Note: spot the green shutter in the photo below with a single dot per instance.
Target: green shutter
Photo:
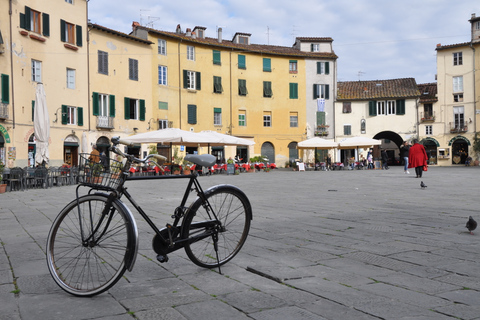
(319, 67)
(320, 118)
(372, 108)
(241, 62)
(217, 110)
(198, 79)
(327, 91)
(293, 90)
(267, 65)
(46, 24)
(185, 79)
(64, 114)
(192, 114)
(5, 89)
(142, 110)
(217, 57)
(315, 91)
(127, 108)
(27, 17)
(79, 36)
(242, 87)
(33, 110)
(62, 30)
(22, 20)
(95, 106)
(400, 107)
(327, 67)
(80, 116)
(112, 105)
(311, 47)
(162, 105)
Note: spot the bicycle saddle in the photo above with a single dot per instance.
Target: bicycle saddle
(204, 160)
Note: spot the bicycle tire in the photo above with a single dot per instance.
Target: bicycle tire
(87, 269)
(233, 210)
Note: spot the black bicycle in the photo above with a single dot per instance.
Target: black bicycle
(94, 239)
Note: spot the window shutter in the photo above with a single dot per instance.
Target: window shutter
(33, 110)
(80, 116)
(79, 36)
(217, 110)
(327, 91)
(23, 25)
(241, 62)
(216, 57)
(192, 114)
(372, 108)
(320, 118)
(46, 24)
(327, 67)
(5, 89)
(127, 108)
(112, 105)
(64, 114)
(62, 30)
(142, 110)
(95, 106)
(400, 107)
(185, 79)
(198, 81)
(311, 47)
(316, 94)
(27, 17)
(267, 64)
(319, 67)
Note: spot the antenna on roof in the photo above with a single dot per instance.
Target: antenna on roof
(360, 73)
(150, 20)
(294, 33)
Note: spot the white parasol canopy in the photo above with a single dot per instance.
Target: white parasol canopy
(358, 142)
(174, 136)
(41, 125)
(84, 142)
(228, 139)
(317, 143)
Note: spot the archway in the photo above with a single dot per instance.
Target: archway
(292, 151)
(459, 149)
(431, 145)
(268, 150)
(392, 142)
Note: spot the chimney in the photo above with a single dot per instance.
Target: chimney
(135, 24)
(179, 30)
(189, 32)
(219, 35)
(194, 35)
(473, 16)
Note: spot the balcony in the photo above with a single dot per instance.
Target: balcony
(427, 117)
(105, 122)
(322, 130)
(458, 127)
(3, 111)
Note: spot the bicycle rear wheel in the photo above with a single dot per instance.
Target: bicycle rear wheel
(232, 208)
(87, 249)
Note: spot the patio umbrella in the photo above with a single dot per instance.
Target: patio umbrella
(316, 143)
(358, 142)
(84, 143)
(41, 125)
(228, 139)
(174, 136)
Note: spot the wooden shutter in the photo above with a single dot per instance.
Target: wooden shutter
(142, 110)
(23, 25)
(400, 107)
(319, 67)
(198, 82)
(185, 79)
(27, 17)
(33, 110)
(316, 94)
(79, 36)
(217, 57)
(311, 47)
(327, 67)
(327, 91)
(95, 105)
(62, 30)
(372, 108)
(80, 116)
(64, 114)
(241, 62)
(127, 108)
(293, 90)
(267, 64)
(5, 89)
(112, 105)
(46, 24)
(192, 114)
(320, 118)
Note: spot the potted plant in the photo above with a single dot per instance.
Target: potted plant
(3, 186)
(187, 167)
(176, 160)
(96, 169)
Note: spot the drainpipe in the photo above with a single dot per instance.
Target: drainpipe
(179, 88)
(474, 91)
(88, 71)
(231, 102)
(11, 63)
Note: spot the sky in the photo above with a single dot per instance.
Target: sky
(373, 39)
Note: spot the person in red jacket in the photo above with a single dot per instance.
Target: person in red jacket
(417, 158)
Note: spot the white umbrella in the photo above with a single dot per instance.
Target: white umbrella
(317, 143)
(358, 142)
(228, 139)
(173, 136)
(84, 142)
(41, 125)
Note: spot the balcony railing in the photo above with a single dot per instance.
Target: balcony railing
(427, 117)
(458, 128)
(105, 122)
(3, 111)
(321, 131)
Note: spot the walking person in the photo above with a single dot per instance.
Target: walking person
(370, 160)
(384, 159)
(417, 158)
(404, 150)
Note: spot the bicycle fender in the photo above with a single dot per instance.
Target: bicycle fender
(133, 243)
(229, 186)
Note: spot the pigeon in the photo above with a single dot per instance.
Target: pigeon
(471, 224)
(422, 185)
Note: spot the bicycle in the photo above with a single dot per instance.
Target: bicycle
(94, 239)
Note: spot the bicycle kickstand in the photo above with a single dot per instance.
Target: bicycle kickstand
(215, 246)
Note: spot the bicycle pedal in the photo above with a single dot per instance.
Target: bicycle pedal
(162, 258)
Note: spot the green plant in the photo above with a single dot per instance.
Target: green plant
(476, 145)
(2, 167)
(152, 149)
(176, 159)
(97, 169)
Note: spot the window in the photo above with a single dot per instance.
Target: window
(386, 107)
(69, 1)
(162, 75)
(5, 89)
(103, 105)
(162, 105)
(293, 119)
(459, 117)
(217, 116)
(217, 58)
(192, 114)
(70, 78)
(267, 64)
(267, 119)
(191, 80)
(477, 25)
(134, 109)
(162, 124)
(457, 59)
(428, 130)
(347, 129)
(458, 97)
(242, 62)
(72, 115)
(267, 89)
(315, 47)
(70, 33)
(36, 71)
(217, 84)
(102, 62)
(191, 53)
(242, 118)
(35, 21)
(323, 67)
(347, 107)
(321, 91)
(242, 87)
(162, 47)
(292, 66)
(390, 107)
(458, 84)
(133, 69)
(293, 90)
(242, 40)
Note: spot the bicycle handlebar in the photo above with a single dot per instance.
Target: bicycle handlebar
(115, 149)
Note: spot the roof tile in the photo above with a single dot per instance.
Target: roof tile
(378, 89)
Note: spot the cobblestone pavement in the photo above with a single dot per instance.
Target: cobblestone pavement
(323, 245)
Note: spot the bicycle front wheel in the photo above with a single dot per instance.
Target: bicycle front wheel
(87, 245)
(233, 210)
